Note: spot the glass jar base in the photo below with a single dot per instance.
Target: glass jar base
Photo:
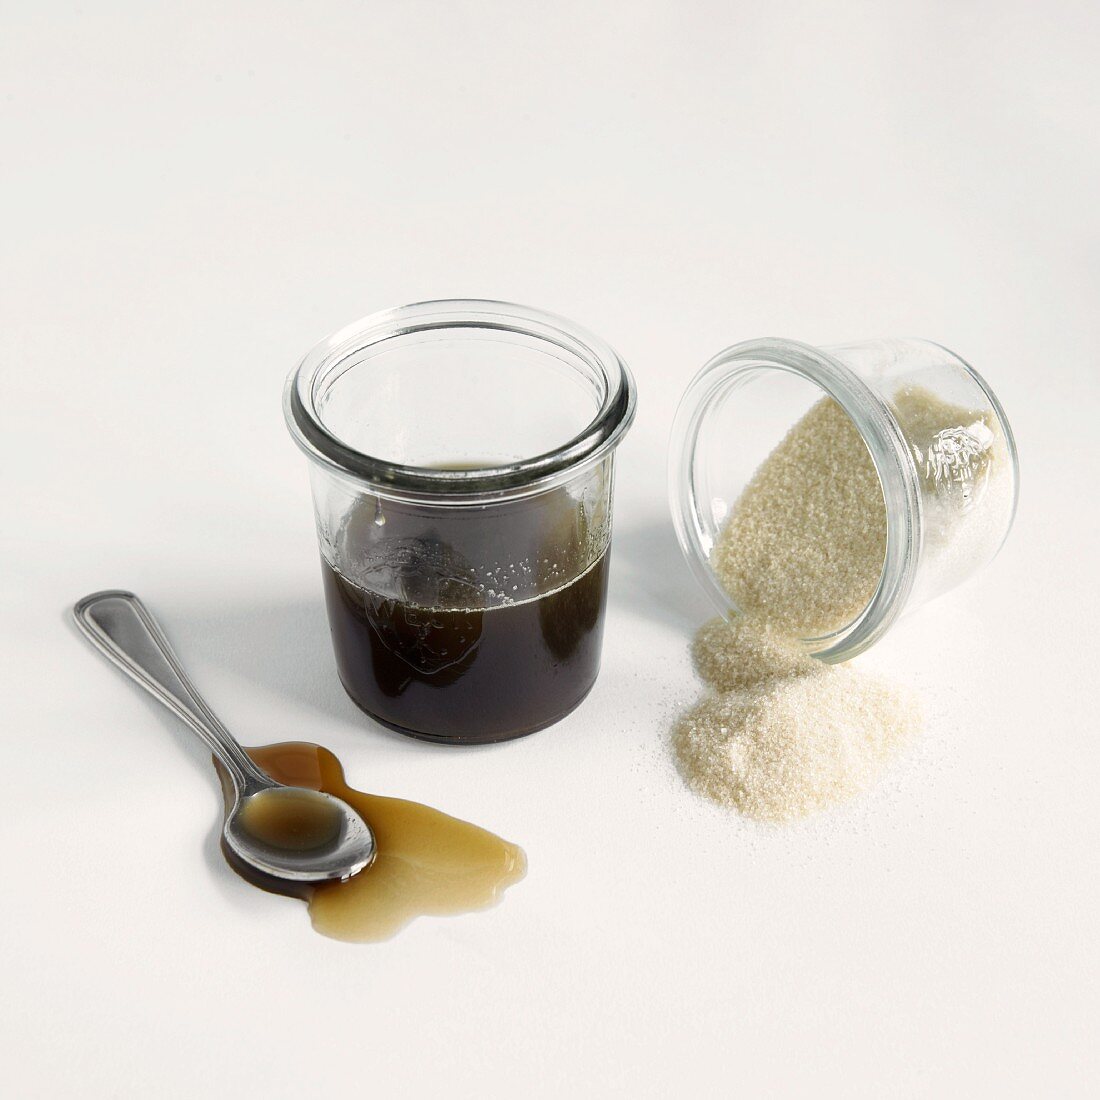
(493, 737)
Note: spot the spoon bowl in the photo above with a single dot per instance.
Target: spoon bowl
(298, 834)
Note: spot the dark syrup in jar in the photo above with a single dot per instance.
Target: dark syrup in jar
(426, 651)
(468, 675)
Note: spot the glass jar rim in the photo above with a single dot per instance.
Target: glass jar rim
(604, 431)
(889, 452)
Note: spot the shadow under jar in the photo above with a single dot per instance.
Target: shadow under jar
(461, 463)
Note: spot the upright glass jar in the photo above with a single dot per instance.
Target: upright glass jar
(461, 460)
(938, 439)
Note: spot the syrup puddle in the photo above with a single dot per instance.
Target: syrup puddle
(427, 863)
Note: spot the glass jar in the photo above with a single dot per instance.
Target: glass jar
(461, 460)
(939, 442)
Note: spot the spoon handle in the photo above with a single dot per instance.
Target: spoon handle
(119, 625)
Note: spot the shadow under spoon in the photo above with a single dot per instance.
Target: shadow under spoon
(290, 833)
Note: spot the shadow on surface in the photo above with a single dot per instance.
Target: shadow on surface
(649, 574)
(191, 748)
(282, 646)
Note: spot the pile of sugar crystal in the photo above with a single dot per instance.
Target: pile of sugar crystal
(741, 653)
(785, 736)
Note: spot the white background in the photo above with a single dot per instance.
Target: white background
(192, 195)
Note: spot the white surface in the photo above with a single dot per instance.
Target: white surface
(192, 198)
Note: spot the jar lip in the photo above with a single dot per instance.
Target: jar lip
(885, 441)
(600, 435)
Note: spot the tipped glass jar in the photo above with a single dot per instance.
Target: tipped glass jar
(831, 489)
(461, 459)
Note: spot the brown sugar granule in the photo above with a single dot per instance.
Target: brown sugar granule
(740, 653)
(791, 745)
(804, 543)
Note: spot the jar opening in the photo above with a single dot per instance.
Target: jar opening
(459, 398)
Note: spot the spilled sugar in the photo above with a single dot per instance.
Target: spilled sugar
(781, 735)
(793, 736)
(742, 653)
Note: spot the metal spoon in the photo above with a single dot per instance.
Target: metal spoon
(118, 624)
